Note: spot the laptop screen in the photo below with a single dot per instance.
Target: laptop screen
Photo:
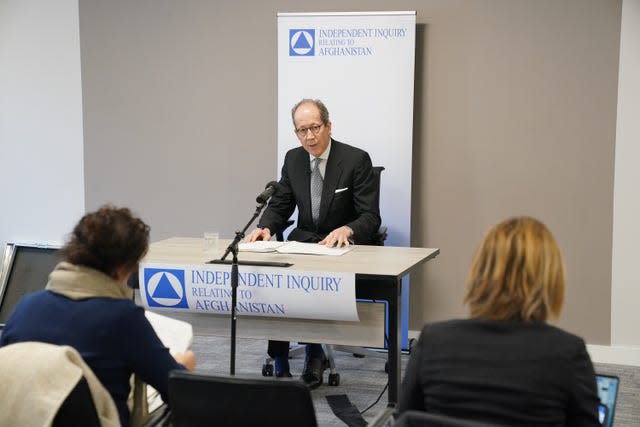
(608, 394)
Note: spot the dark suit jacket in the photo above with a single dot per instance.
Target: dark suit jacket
(503, 372)
(349, 171)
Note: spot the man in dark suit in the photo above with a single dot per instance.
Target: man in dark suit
(334, 188)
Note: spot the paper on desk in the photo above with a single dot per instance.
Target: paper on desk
(311, 249)
(176, 335)
(260, 246)
(292, 248)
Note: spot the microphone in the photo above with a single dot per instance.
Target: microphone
(269, 190)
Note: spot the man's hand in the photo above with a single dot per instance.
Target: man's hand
(338, 237)
(258, 234)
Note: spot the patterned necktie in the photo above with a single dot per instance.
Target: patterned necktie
(316, 190)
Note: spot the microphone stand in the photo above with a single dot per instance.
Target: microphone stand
(233, 249)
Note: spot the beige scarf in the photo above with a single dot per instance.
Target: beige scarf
(78, 282)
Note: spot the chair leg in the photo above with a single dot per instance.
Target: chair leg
(361, 351)
(328, 351)
(334, 376)
(267, 368)
(296, 350)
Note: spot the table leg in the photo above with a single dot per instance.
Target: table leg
(389, 289)
(395, 344)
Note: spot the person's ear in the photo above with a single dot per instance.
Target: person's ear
(121, 274)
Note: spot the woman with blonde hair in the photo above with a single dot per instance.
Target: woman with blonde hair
(505, 364)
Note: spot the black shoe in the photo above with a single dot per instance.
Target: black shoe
(314, 371)
(282, 367)
(285, 374)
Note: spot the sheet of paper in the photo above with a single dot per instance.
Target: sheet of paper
(260, 246)
(312, 249)
(177, 335)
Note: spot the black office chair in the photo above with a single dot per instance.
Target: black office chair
(425, 419)
(78, 410)
(201, 400)
(334, 377)
(381, 235)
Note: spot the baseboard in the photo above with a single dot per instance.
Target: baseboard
(614, 354)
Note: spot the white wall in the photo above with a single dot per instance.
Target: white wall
(625, 286)
(41, 155)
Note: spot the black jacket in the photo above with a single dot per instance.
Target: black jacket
(349, 196)
(502, 372)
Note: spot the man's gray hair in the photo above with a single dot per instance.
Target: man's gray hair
(324, 113)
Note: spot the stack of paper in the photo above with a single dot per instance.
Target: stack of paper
(292, 248)
(260, 246)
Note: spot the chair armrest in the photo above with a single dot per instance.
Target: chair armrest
(380, 236)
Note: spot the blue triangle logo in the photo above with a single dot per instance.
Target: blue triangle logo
(164, 289)
(302, 42)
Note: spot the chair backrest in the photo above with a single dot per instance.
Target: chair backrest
(381, 235)
(377, 171)
(25, 269)
(61, 392)
(280, 233)
(425, 419)
(198, 400)
(78, 410)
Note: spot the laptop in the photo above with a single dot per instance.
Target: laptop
(608, 393)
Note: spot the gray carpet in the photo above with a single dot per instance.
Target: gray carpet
(361, 379)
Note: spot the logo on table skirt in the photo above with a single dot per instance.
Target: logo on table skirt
(165, 288)
(302, 42)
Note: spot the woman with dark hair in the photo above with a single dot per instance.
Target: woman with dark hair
(506, 365)
(87, 305)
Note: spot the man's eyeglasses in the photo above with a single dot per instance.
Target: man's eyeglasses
(315, 129)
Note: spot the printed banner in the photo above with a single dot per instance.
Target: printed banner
(361, 65)
(262, 291)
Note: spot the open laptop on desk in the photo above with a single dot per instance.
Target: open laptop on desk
(608, 393)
